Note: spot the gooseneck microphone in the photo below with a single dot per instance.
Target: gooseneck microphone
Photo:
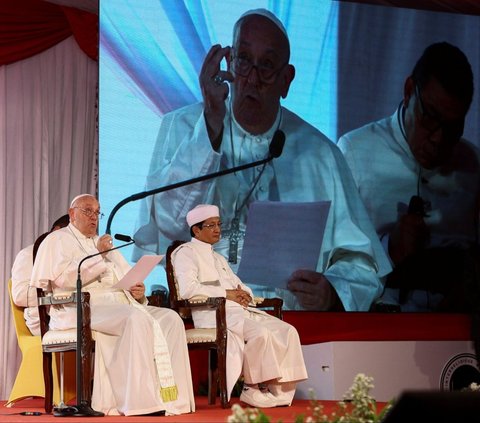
(124, 238)
(276, 146)
(120, 237)
(274, 151)
(83, 408)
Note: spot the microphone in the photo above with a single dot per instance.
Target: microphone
(417, 206)
(276, 145)
(83, 408)
(124, 238)
(274, 151)
(120, 237)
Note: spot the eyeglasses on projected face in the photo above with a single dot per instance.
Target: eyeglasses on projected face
(432, 123)
(267, 72)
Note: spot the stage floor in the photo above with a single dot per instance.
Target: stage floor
(204, 414)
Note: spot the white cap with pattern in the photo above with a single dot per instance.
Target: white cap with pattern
(202, 212)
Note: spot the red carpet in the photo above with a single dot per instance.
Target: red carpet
(204, 413)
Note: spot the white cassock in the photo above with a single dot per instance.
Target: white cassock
(310, 168)
(260, 346)
(23, 294)
(140, 351)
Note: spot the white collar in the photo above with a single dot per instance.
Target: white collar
(202, 244)
(78, 234)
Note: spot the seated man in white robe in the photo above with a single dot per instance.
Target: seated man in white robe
(266, 350)
(23, 294)
(419, 180)
(134, 373)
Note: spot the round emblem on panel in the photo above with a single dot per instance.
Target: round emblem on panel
(459, 372)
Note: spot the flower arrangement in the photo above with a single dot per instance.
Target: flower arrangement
(357, 407)
(474, 387)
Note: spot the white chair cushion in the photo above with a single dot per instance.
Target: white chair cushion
(59, 337)
(195, 336)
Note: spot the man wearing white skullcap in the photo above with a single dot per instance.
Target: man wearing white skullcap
(200, 213)
(264, 349)
(234, 125)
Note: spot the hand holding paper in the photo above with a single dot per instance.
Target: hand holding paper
(281, 238)
(312, 290)
(138, 291)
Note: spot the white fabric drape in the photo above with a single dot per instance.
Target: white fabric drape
(48, 154)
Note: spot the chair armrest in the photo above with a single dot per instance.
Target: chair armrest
(215, 303)
(57, 299)
(45, 301)
(201, 302)
(158, 298)
(273, 303)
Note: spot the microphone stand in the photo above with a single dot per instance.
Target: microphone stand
(143, 194)
(83, 407)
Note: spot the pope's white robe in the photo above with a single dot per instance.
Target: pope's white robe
(260, 346)
(125, 374)
(310, 168)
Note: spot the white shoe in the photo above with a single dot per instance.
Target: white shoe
(281, 402)
(256, 398)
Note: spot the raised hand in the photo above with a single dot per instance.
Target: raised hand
(214, 91)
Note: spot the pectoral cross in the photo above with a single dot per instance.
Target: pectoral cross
(233, 244)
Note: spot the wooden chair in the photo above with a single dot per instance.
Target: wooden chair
(214, 340)
(60, 341)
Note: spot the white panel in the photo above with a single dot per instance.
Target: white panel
(394, 365)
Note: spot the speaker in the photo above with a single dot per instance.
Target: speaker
(435, 407)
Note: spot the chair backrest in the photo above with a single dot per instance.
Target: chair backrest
(42, 313)
(21, 328)
(37, 243)
(173, 295)
(173, 291)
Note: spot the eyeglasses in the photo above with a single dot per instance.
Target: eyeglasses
(90, 212)
(266, 72)
(452, 130)
(212, 226)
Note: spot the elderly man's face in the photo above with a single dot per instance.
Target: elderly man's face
(434, 122)
(210, 232)
(256, 99)
(84, 215)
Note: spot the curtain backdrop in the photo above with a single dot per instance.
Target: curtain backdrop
(48, 134)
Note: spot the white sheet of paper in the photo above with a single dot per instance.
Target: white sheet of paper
(138, 272)
(281, 238)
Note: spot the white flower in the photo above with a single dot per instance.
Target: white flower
(361, 408)
(474, 386)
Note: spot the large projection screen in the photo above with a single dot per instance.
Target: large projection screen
(351, 61)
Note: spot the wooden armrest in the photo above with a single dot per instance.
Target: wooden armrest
(158, 298)
(275, 303)
(58, 299)
(270, 302)
(196, 302)
(45, 301)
